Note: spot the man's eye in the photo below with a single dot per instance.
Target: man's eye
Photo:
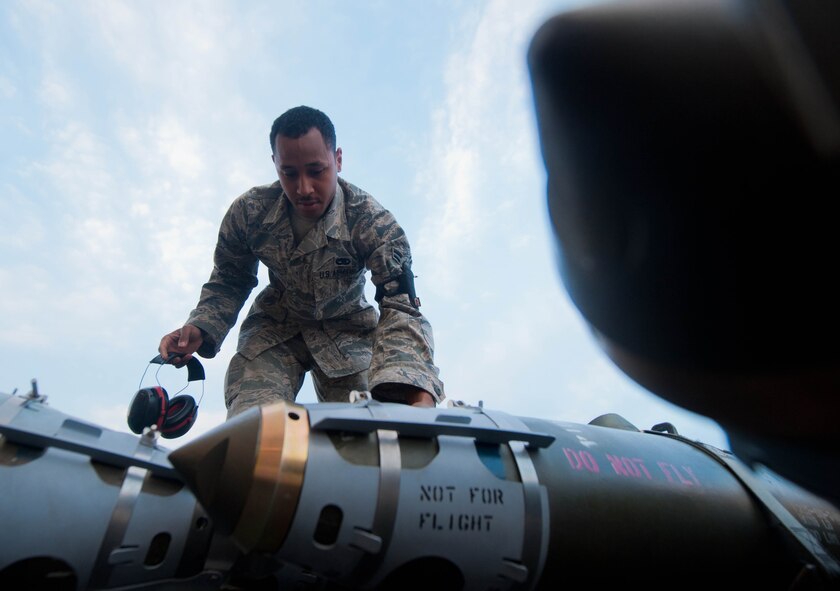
(289, 174)
(315, 172)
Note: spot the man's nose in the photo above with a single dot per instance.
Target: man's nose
(304, 185)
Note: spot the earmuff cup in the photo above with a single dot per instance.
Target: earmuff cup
(180, 416)
(147, 408)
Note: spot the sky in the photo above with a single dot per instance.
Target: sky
(128, 128)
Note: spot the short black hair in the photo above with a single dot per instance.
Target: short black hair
(297, 122)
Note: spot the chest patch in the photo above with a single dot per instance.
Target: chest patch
(343, 268)
(337, 273)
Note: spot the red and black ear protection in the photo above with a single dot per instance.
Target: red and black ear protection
(151, 406)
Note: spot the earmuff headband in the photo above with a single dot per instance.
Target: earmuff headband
(195, 371)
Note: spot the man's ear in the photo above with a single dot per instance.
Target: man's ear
(337, 159)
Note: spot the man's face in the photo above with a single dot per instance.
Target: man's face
(308, 172)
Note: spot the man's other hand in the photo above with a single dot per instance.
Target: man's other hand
(419, 398)
(404, 394)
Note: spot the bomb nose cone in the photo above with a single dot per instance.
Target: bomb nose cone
(247, 473)
(219, 466)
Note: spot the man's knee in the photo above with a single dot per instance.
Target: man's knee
(242, 401)
(265, 379)
(338, 389)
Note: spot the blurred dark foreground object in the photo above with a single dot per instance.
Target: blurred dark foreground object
(692, 156)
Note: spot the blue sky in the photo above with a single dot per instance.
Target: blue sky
(127, 129)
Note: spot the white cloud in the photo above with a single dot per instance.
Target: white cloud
(25, 336)
(92, 305)
(182, 46)
(140, 210)
(55, 92)
(184, 247)
(165, 150)
(105, 258)
(20, 301)
(241, 174)
(498, 351)
(7, 88)
(181, 149)
(98, 238)
(478, 137)
(20, 225)
(78, 168)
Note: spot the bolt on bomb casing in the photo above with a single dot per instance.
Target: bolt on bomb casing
(379, 495)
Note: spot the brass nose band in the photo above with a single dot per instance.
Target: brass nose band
(292, 468)
(278, 478)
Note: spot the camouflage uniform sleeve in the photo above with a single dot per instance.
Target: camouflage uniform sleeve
(403, 343)
(234, 276)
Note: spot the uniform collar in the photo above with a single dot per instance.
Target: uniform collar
(335, 219)
(332, 224)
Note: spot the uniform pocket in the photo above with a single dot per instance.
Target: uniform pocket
(260, 332)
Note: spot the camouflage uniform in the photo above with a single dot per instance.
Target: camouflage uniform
(313, 315)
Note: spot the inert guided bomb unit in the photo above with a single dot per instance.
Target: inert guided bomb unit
(369, 495)
(691, 149)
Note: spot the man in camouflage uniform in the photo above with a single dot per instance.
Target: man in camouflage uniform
(316, 234)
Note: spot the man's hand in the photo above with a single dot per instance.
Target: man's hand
(420, 398)
(404, 394)
(183, 341)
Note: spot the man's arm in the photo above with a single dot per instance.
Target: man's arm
(402, 368)
(233, 277)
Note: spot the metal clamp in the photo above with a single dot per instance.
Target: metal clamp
(410, 429)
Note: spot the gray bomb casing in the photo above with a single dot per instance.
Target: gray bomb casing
(381, 496)
(84, 507)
